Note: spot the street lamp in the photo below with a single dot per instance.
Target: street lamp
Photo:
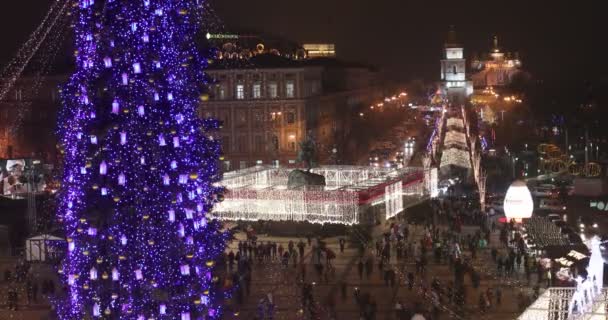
(334, 152)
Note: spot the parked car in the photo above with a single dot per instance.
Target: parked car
(552, 204)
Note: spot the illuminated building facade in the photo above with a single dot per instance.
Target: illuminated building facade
(453, 71)
(316, 50)
(268, 104)
(495, 69)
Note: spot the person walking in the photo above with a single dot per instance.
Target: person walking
(410, 280)
(342, 244)
(360, 267)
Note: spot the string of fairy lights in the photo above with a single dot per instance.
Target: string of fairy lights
(478, 172)
(12, 72)
(42, 64)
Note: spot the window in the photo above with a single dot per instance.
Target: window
(226, 144)
(240, 91)
(242, 144)
(224, 117)
(275, 142)
(258, 118)
(290, 89)
(292, 146)
(454, 68)
(242, 164)
(290, 117)
(241, 118)
(222, 92)
(273, 90)
(259, 144)
(257, 91)
(226, 165)
(315, 85)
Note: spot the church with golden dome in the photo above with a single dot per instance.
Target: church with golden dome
(496, 68)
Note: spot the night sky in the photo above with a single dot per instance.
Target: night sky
(559, 41)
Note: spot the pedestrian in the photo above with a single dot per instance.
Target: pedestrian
(498, 296)
(270, 307)
(482, 303)
(410, 280)
(230, 260)
(35, 291)
(261, 309)
(360, 267)
(342, 244)
(301, 246)
(369, 267)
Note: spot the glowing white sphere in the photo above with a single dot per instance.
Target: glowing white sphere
(518, 201)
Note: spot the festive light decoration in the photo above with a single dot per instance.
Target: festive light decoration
(38, 55)
(393, 199)
(455, 138)
(518, 203)
(585, 301)
(455, 157)
(260, 193)
(149, 257)
(455, 122)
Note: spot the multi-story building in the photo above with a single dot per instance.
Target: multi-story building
(268, 104)
(28, 118)
(495, 69)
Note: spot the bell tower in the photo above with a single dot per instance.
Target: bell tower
(453, 71)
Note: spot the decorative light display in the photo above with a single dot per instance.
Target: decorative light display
(518, 203)
(290, 205)
(260, 193)
(455, 122)
(455, 157)
(145, 258)
(393, 199)
(455, 138)
(37, 54)
(585, 301)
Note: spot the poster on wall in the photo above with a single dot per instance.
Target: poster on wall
(20, 176)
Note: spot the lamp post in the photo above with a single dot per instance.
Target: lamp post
(334, 153)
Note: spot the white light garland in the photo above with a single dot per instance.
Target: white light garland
(290, 205)
(455, 138)
(455, 122)
(260, 193)
(393, 198)
(455, 157)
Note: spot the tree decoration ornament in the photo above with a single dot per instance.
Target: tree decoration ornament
(136, 89)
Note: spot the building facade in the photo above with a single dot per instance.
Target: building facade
(454, 83)
(28, 119)
(496, 68)
(270, 105)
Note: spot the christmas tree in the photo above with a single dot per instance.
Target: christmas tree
(140, 169)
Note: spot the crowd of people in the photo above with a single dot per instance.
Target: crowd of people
(402, 257)
(21, 288)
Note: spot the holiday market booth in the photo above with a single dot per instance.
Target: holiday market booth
(351, 195)
(585, 298)
(43, 248)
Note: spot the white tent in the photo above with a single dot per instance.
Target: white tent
(42, 247)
